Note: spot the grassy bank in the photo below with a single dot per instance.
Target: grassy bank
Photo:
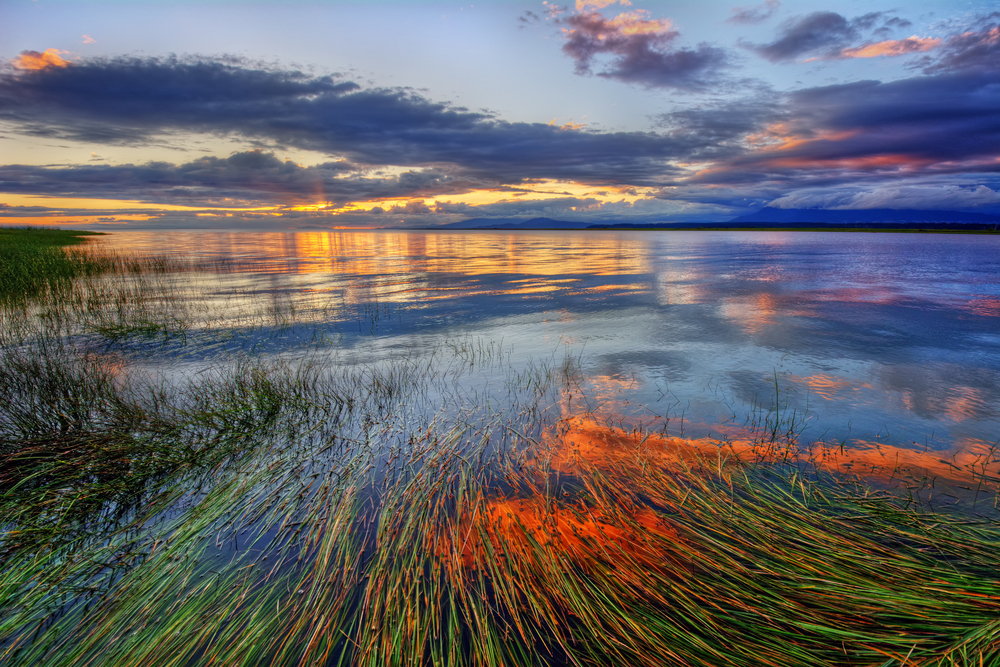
(442, 509)
(34, 261)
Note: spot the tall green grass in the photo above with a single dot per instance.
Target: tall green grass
(412, 512)
(34, 261)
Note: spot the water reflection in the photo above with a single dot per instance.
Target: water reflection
(861, 334)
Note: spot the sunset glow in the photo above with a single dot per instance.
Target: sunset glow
(661, 116)
(897, 47)
(502, 334)
(33, 60)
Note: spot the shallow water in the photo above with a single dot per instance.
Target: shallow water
(325, 445)
(869, 338)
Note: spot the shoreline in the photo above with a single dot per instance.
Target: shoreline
(988, 232)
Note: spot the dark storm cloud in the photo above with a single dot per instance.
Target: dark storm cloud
(130, 100)
(755, 14)
(921, 126)
(641, 51)
(250, 178)
(120, 100)
(823, 34)
(719, 131)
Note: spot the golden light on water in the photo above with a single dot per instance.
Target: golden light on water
(481, 253)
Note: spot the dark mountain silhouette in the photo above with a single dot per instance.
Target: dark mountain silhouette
(851, 218)
(872, 218)
(514, 223)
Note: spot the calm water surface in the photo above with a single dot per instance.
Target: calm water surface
(869, 338)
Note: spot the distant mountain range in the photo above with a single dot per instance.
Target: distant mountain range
(860, 216)
(515, 223)
(884, 218)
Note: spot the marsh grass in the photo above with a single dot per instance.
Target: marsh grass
(438, 510)
(36, 261)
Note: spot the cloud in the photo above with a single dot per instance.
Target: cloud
(413, 207)
(976, 48)
(553, 10)
(920, 142)
(141, 100)
(723, 130)
(943, 197)
(87, 39)
(755, 14)
(641, 51)
(891, 48)
(823, 34)
(930, 138)
(528, 17)
(584, 5)
(590, 210)
(252, 178)
(416, 212)
(34, 60)
(906, 129)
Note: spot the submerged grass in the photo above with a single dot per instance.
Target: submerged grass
(443, 510)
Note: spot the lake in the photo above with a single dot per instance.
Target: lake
(871, 338)
(505, 448)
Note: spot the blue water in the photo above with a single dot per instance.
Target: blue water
(885, 338)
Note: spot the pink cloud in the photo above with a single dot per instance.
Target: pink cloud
(583, 5)
(892, 48)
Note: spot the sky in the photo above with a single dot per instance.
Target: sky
(323, 114)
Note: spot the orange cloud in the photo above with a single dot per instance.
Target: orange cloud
(991, 37)
(892, 48)
(636, 23)
(87, 39)
(569, 125)
(36, 60)
(897, 161)
(582, 5)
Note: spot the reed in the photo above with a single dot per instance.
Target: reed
(441, 509)
(35, 261)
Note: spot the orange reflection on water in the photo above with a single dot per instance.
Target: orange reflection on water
(629, 287)
(754, 314)
(827, 386)
(583, 442)
(606, 527)
(973, 464)
(872, 294)
(577, 531)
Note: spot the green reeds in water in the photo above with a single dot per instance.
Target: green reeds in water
(423, 512)
(322, 518)
(34, 261)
